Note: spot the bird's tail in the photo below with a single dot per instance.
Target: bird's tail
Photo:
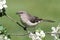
(48, 21)
(44, 20)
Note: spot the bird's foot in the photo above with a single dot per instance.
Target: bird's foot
(25, 28)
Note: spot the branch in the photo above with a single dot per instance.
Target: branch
(51, 33)
(18, 34)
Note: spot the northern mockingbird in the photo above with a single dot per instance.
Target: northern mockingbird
(30, 21)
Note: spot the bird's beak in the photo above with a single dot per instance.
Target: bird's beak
(17, 12)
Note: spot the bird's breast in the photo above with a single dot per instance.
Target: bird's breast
(26, 21)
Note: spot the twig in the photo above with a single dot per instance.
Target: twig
(51, 33)
(17, 34)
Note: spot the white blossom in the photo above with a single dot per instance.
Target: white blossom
(54, 32)
(5, 37)
(3, 4)
(31, 35)
(38, 35)
(8, 39)
(1, 37)
(38, 38)
(42, 34)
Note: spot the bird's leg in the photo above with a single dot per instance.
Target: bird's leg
(0, 14)
(25, 28)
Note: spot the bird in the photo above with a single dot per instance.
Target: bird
(29, 20)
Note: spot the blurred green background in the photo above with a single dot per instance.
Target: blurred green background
(47, 9)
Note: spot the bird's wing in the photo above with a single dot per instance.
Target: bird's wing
(34, 19)
(27, 22)
(30, 18)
